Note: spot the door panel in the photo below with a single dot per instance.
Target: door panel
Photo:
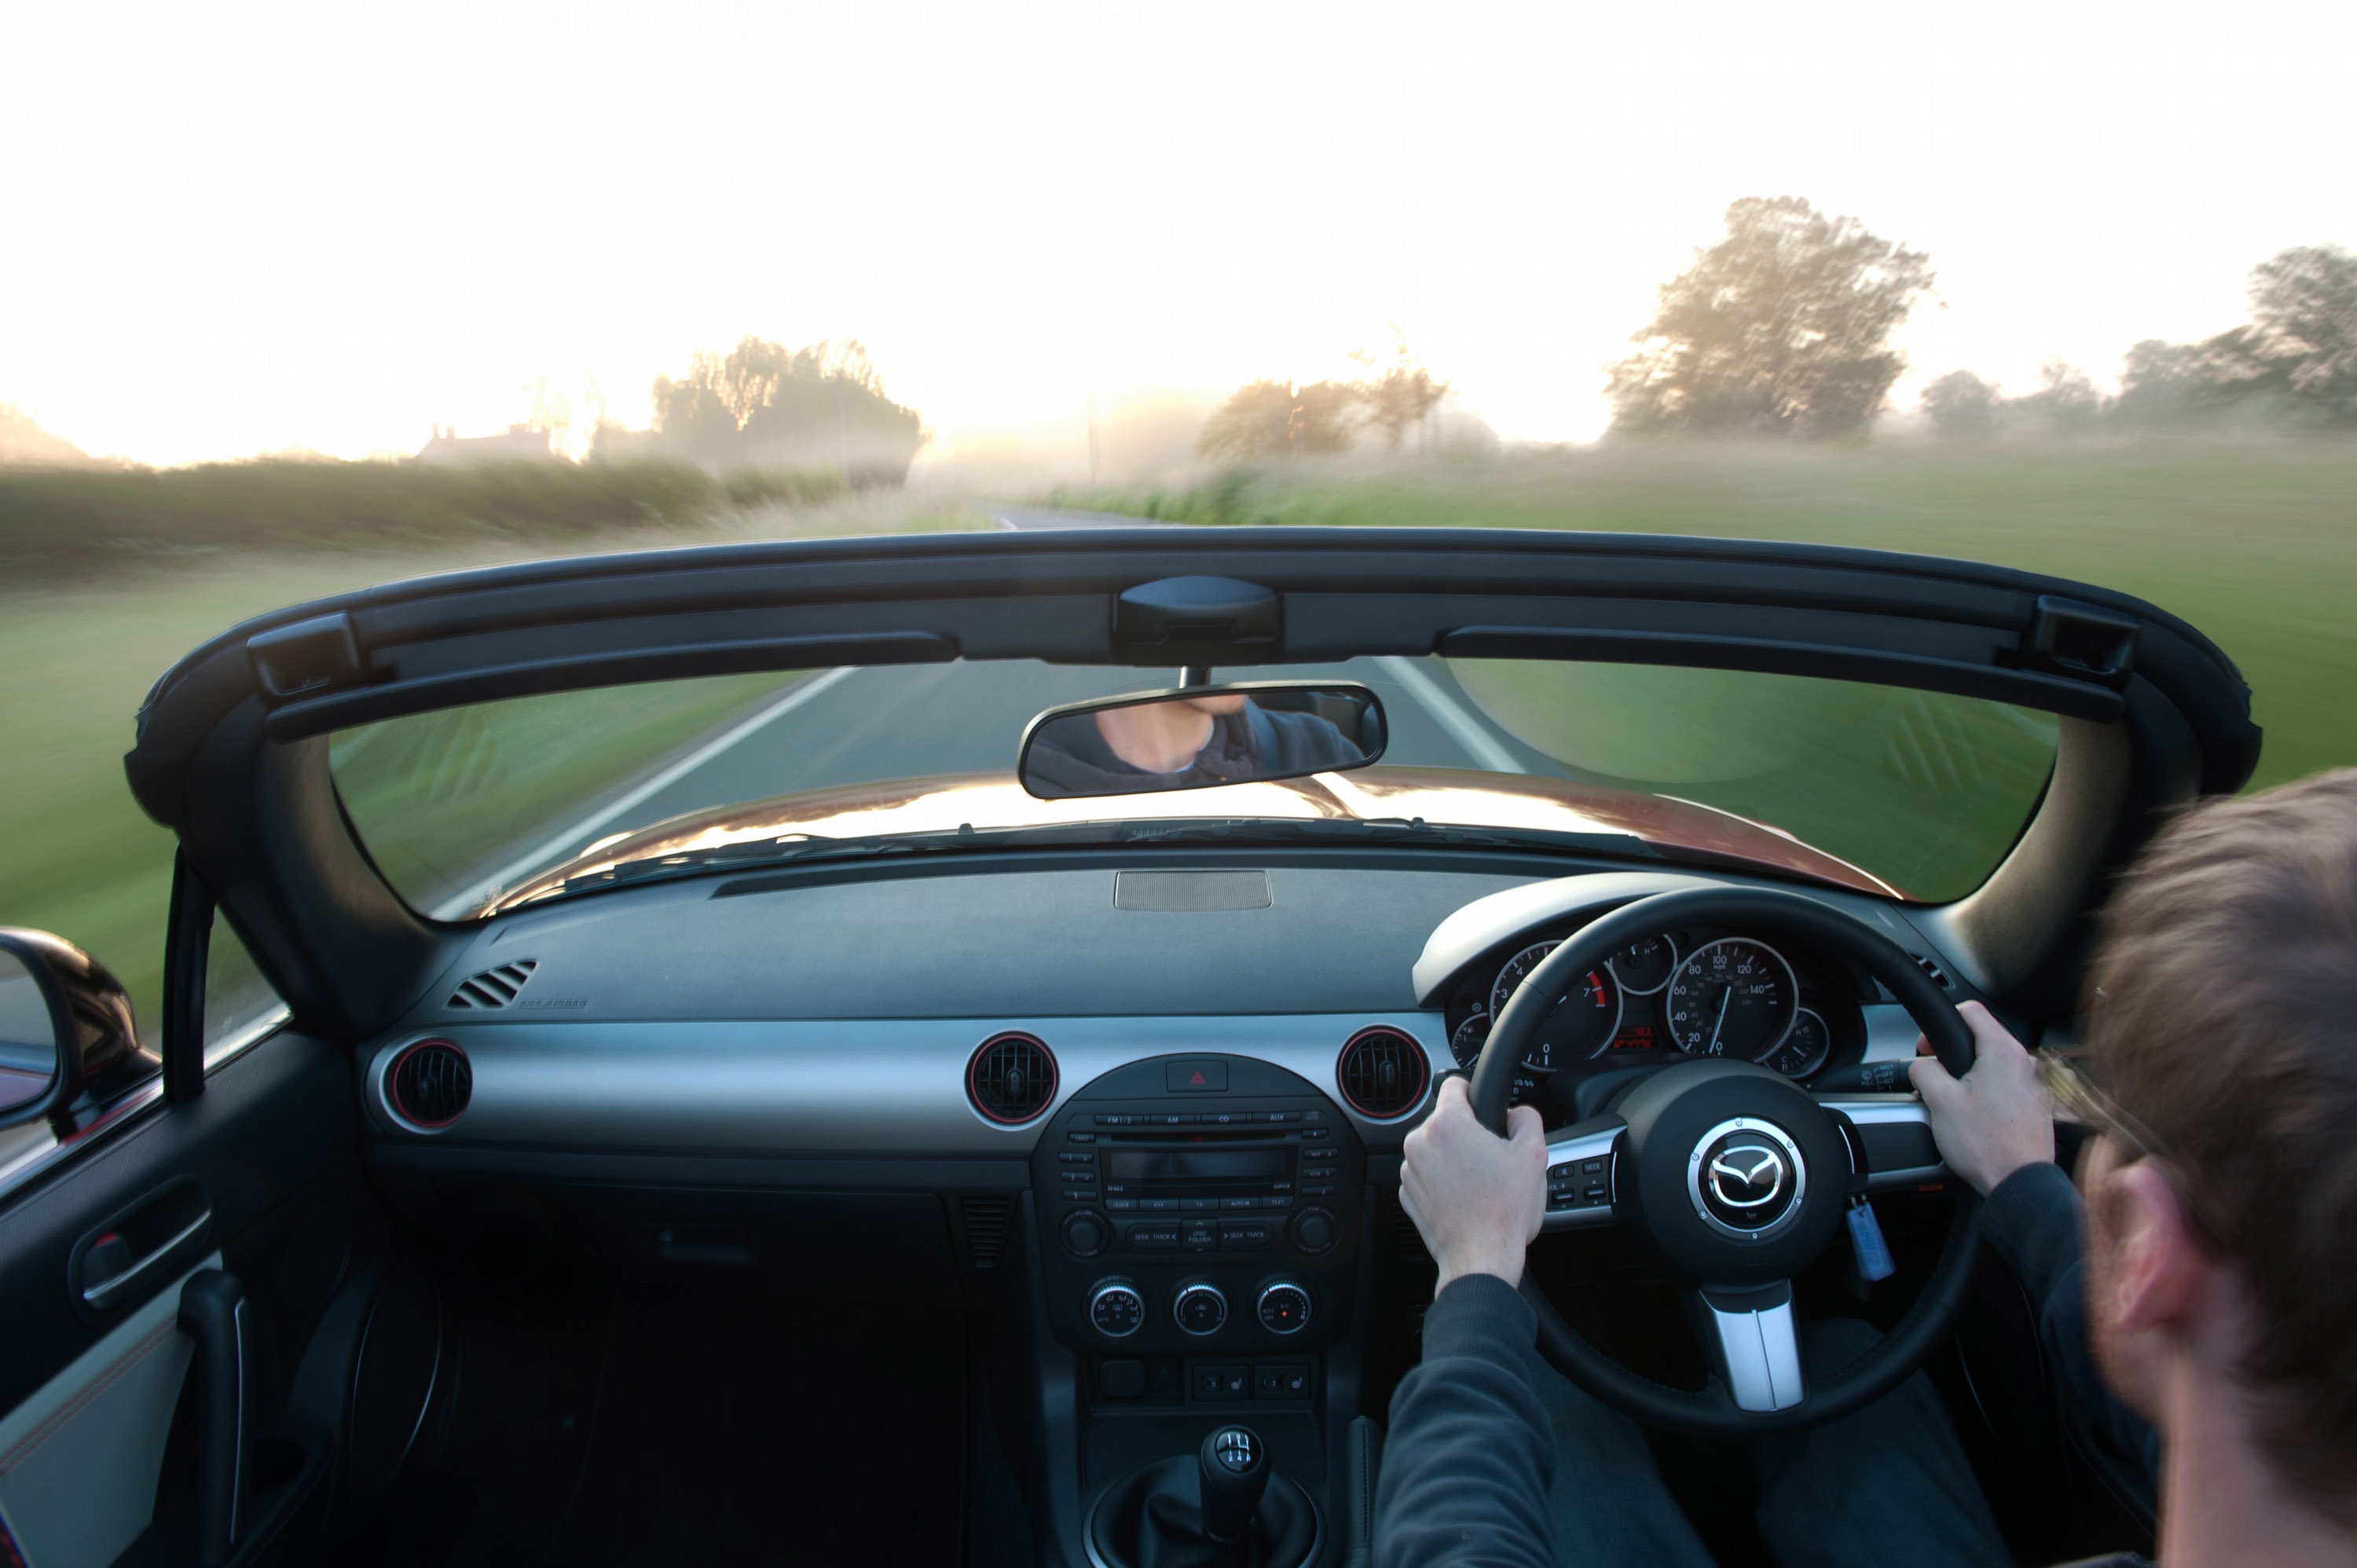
(271, 1143)
(80, 1457)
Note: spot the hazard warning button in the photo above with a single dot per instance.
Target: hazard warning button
(1195, 1075)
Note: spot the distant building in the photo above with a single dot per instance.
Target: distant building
(519, 445)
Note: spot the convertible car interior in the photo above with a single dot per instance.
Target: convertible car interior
(898, 1050)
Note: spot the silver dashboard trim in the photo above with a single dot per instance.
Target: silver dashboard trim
(1889, 1109)
(849, 1087)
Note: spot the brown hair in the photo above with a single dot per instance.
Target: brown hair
(2224, 1022)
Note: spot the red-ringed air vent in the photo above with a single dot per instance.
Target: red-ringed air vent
(429, 1084)
(1011, 1080)
(1382, 1073)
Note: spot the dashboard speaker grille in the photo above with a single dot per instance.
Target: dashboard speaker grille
(1011, 1080)
(493, 987)
(1382, 1073)
(986, 1228)
(431, 1083)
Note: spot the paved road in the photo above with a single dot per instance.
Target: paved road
(858, 726)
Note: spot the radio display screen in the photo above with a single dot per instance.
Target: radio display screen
(1197, 1165)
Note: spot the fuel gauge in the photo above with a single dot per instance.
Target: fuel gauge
(1804, 1047)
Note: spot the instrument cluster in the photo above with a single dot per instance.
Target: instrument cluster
(1675, 995)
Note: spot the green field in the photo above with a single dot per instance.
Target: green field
(79, 857)
(2256, 544)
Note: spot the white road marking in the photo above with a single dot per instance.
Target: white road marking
(1461, 725)
(455, 908)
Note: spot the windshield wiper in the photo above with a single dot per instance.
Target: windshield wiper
(1240, 831)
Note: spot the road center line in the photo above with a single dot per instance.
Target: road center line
(1462, 726)
(454, 908)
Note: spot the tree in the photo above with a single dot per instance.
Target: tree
(1275, 419)
(2304, 327)
(1400, 399)
(1781, 327)
(822, 406)
(1962, 407)
(2066, 402)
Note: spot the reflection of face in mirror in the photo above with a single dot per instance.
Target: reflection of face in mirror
(28, 1046)
(1190, 742)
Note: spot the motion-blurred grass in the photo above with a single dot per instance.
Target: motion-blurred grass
(2256, 544)
(77, 653)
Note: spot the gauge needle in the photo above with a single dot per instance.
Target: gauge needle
(1725, 997)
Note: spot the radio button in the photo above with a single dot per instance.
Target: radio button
(1159, 1205)
(1240, 1203)
(1197, 1233)
(1317, 1131)
(1277, 1203)
(1124, 1205)
(1084, 1235)
(1314, 1231)
(1070, 1157)
(1186, 1205)
(1153, 1237)
(1243, 1236)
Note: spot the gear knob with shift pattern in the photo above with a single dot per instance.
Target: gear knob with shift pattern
(1235, 1465)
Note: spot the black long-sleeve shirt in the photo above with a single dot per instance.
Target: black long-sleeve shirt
(1470, 1452)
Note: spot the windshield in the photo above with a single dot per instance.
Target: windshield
(1912, 793)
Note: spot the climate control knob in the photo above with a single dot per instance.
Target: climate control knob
(1314, 1231)
(1284, 1307)
(1117, 1309)
(1199, 1308)
(1084, 1235)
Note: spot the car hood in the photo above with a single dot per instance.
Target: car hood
(1439, 796)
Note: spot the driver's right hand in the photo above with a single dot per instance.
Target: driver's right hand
(1994, 1119)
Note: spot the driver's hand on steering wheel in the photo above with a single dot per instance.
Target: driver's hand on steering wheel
(1996, 1119)
(1476, 1199)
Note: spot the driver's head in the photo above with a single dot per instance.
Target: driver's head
(2223, 1201)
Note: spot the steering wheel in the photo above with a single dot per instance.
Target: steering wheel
(1735, 1177)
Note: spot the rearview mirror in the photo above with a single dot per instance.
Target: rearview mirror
(1199, 738)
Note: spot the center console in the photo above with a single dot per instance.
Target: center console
(1200, 1224)
(1199, 1217)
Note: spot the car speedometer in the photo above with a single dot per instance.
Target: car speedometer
(1734, 997)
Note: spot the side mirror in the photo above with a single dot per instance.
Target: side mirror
(65, 1026)
(1198, 737)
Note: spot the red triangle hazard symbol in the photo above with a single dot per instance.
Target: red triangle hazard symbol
(1197, 1078)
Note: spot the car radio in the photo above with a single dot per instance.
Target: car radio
(1180, 1216)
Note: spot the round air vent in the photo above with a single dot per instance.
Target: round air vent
(1382, 1073)
(429, 1084)
(1011, 1079)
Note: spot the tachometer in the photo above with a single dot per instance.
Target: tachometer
(1582, 1022)
(1734, 997)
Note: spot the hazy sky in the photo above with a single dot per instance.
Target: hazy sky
(233, 229)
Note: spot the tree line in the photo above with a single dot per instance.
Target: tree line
(821, 408)
(1783, 328)
(1271, 419)
(2292, 367)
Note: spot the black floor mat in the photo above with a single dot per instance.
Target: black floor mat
(713, 1421)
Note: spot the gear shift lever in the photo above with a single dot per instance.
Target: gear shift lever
(1234, 1467)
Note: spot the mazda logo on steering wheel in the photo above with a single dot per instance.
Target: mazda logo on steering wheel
(1747, 1178)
